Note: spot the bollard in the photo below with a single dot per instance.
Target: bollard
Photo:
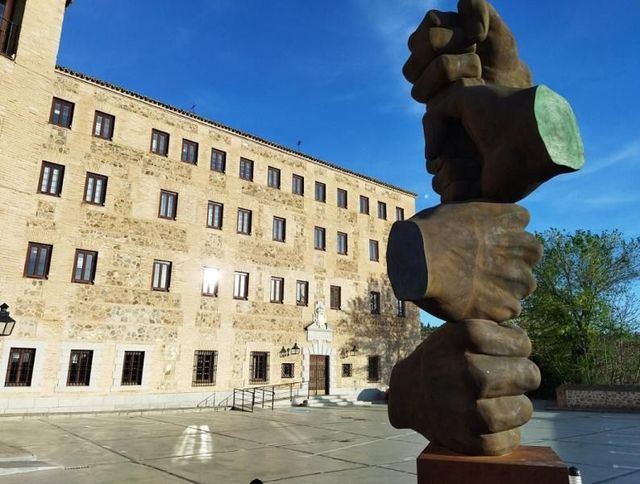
(574, 476)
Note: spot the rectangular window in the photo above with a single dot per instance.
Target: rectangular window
(20, 367)
(382, 210)
(244, 221)
(51, 176)
(302, 293)
(342, 243)
(84, 266)
(240, 285)
(342, 198)
(259, 369)
(205, 365)
(335, 297)
(374, 302)
(399, 213)
(277, 290)
(279, 229)
(297, 185)
(374, 253)
(273, 177)
(401, 309)
(168, 205)
(218, 160)
(161, 280)
(347, 370)
(246, 169)
(103, 124)
(159, 142)
(38, 260)
(373, 369)
(95, 189)
(364, 205)
(287, 370)
(189, 152)
(61, 113)
(319, 239)
(210, 281)
(214, 215)
(132, 367)
(79, 374)
(321, 192)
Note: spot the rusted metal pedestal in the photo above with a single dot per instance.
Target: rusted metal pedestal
(525, 465)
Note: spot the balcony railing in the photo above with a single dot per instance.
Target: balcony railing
(9, 34)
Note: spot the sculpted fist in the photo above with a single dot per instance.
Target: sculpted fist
(464, 260)
(463, 387)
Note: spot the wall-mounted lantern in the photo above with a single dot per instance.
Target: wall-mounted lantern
(6, 322)
(294, 350)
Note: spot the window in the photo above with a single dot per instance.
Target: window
(347, 370)
(279, 229)
(399, 213)
(273, 177)
(335, 297)
(342, 243)
(297, 185)
(321, 192)
(168, 205)
(240, 285)
(342, 198)
(84, 266)
(38, 260)
(373, 369)
(161, 275)
(302, 293)
(382, 210)
(218, 160)
(103, 125)
(374, 253)
(259, 369)
(319, 239)
(401, 309)
(244, 221)
(95, 189)
(159, 142)
(61, 113)
(205, 364)
(132, 367)
(364, 205)
(51, 176)
(79, 374)
(246, 169)
(210, 280)
(214, 215)
(287, 370)
(374, 302)
(277, 290)
(189, 152)
(20, 367)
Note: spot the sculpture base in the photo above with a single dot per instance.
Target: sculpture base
(525, 465)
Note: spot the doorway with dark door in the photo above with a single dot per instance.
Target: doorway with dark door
(318, 375)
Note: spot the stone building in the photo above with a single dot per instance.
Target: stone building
(152, 258)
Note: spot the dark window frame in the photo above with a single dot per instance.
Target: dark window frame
(274, 177)
(276, 290)
(364, 205)
(80, 376)
(20, 376)
(374, 250)
(300, 180)
(132, 370)
(157, 263)
(259, 374)
(374, 302)
(94, 264)
(103, 195)
(240, 228)
(211, 205)
(244, 288)
(300, 301)
(322, 187)
(168, 216)
(216, 287)
(399, 214)
(316, 245)
(102, 135)
(275, 233)
(192, 147)
(287, 371)
(345, 237)
(160, 134)
(373, 368)
(52, 166)
(205, 368)
(245, 174)
(47, 264)
(342, 198)
(222, 161)
(63, 103)
(382, 210)
(347, 370)
(335, 297)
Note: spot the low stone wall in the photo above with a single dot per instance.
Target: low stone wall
(615, 397)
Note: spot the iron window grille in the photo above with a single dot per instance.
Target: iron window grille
(374, 252)
(277, 290)
(84, 266)
(287, 370)
(168, 205)
(302, 293)
(79, 374)
(373, 369)
(161, 280)
(335, 297)
(342, 198)
(132, 368)
(297, 185)
(319, 238)
(246, 169)
(240, 285)
(95, 189)
(218, 160)
(215, 213)
(279, 229)
(61, 113)
(259, 367)
(189, 152)
(51, 177)
(20, 367)
(374, 302)
(159, 142)
(399, 213)
(382, 210)
(321, 192)
(342, 243)
(103, 125)
(273, 177)
(347, 370)
(205, 365)
(38, 260)
(244, 221)
(364, 205)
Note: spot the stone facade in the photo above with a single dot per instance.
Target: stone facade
(599, 397)
(119, 311)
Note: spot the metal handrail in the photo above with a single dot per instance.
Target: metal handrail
(9, 35)
(247, 398)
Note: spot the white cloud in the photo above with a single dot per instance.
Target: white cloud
(627, 152)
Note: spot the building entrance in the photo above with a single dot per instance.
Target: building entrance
(318, 375)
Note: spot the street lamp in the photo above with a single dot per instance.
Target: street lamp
(6, 322)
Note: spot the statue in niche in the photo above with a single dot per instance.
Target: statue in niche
(319, 316)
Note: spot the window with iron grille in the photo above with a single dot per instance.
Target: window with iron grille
(205, 364)
(132, 367)
(401, 309)
(342, 198)
(374, 253)
(246, 169)
(287, 370)
(161, 275)
(38, 260)
(51, 176)
(399, 213)
(20, 367)
(347, 370)
(103, 124)
(189, 152)
(259, 367)
(364, 205)
(244, 221)
(302, 293)
(382, 210)
(273, 177)
(84, 266)
(342, 243)
(335, 297)
(297, 185)
(159, 142)
(319, 238)
(240, 285)
(168, 205)
(79, 374)
(374, 302)
(95, 189)
(277, 290)
(279, 229)
(218, 160)
(321, 192)
(214, 215)
(61, 113)
(373, 369)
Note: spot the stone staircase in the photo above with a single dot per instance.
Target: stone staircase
(335, 401)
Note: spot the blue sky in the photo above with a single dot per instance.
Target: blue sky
(329, 74)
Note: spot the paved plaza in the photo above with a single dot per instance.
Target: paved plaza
(301, 445)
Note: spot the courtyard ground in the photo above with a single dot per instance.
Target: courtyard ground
(301, 445)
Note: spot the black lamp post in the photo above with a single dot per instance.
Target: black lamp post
(6, 322)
